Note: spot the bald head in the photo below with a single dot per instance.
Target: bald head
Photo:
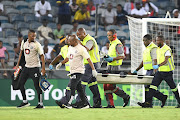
(81, 33)
(73, 40)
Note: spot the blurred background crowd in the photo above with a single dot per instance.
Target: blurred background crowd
(54, 19)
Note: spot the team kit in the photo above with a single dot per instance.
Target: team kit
(81, 59)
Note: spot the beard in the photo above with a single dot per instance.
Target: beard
(160, 45)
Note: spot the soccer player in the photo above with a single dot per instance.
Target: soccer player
(75, 55)
(63, 53)
(165, 66)
(32, 49)
(150, 59)
(87, 79)
(115, 58)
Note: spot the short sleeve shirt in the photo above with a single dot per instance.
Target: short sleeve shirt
(76, 55)
(79, 16)
(32, 51)
(109, 16)
(45, 32)
(140, 12)
(2, 50)
(42, 8)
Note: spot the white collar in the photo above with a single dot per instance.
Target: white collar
(150, 44)
(163, 45)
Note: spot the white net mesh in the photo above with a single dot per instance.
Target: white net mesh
(170, 29)
(135, 27)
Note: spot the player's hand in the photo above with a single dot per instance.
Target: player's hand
(94, 73)
(50, 66)
(155, 66)
(43, 72)
(58, 66)
(109, 59)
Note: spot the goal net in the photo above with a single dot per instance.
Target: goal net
(170, 29)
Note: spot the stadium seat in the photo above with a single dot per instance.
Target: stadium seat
(26, 11)
(102, 40)
(35, 25)
(7, 3)
(31, 18)
(10, 33)
(24, 32)
(52, 25)
(12, 11)
(21, 4)
(102, 33)
(112, 27)
(54, 11)
(30, 0)
(7, 26)
(122, 34)
(67, 26)
(52, 42)
(17, 18)
(125, 28)
(22, 25)
(4, 19)
(1, 35)
(53, 2)
(12, 40)
(32, 4)
(92, 33)
(86, 27)
(100, 28)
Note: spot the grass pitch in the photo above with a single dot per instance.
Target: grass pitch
(119, 113)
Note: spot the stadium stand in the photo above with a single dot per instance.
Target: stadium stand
(19, 16)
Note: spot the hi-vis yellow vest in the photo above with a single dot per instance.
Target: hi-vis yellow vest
(147, 60)
(112, 52)
(64, 51)
(94, 53)
(169, 66)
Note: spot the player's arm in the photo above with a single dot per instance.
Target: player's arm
(20, 54)
(41, 53)
(43, 64)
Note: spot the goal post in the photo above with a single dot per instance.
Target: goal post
(170, 29)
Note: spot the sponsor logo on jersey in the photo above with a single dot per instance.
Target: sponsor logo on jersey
(27, 51)
(71, 56)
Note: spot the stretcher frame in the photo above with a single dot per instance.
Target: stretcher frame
(123, 79)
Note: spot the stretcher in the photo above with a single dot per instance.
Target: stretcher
(123, 79)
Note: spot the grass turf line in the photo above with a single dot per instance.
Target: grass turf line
(119, 113)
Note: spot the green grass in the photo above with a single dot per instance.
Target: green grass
(119, 113)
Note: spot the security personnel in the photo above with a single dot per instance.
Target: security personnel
(149, 59)
(115, 58)
(63, 53)
(91, 46)
(165, 66)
